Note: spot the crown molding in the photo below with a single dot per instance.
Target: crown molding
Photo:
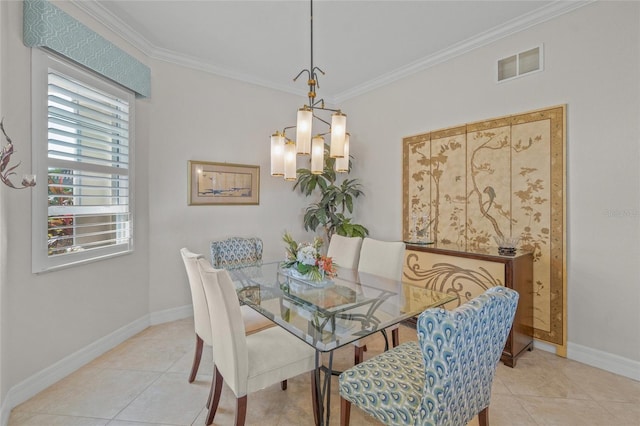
(116, 25)
(194, 63)
(543, 14)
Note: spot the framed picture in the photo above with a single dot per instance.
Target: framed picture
(223, 183)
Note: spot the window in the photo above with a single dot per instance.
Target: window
(82, 128)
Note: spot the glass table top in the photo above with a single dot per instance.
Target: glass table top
(332, 313)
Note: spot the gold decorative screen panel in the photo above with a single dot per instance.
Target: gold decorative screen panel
(503, 177)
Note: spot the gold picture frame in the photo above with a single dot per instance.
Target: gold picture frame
(222, 184)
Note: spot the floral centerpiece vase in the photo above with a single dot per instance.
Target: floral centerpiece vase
(304, 261)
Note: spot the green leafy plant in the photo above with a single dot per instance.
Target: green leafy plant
(336, 201)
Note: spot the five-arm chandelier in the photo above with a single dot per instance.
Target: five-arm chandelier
(285, 150)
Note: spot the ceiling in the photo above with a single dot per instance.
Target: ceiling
(360, 45)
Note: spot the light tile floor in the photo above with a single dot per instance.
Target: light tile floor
(143, 381)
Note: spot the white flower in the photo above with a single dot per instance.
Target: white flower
(307, 255)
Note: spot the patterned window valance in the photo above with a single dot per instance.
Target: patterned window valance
(47, 26)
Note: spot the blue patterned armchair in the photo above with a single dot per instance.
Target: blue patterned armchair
(443, 379)
(236, 252)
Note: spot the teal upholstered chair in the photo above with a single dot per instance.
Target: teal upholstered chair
(236, 252)
(443, 379)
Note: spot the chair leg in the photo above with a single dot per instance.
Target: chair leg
(345, 412)
(395, 337)
(314, 397)
(196, 359)
(283, 385)
(241, 410)
(210, 395)
(216, 390)
(358, 354)
(483, 417)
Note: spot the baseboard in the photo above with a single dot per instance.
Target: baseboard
(55, 372)
(606, 361)
(172, 314)
(595, 358)
(547, 347)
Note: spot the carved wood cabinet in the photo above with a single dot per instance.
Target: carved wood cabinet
(467, 273)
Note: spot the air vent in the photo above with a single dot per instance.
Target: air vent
(520, 64)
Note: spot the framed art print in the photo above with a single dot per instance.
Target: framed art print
(223, 183)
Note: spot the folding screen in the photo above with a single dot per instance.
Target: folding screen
(498, 177)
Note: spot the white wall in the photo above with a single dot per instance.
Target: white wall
(592, 64)
(3, 221)
(48, 317)
(197, 116)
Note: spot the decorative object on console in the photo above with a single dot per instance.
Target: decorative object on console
(507, 246)
(419, 231)
(28, 181)
(284, 149)
(305, 261)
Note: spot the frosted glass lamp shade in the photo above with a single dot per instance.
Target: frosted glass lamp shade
(303, 131)
(317, 155)
(290, 161)
(342, 164)
(277, 154)
(338, 131)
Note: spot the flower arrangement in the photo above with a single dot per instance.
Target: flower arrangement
(5, 157)
(306, 260)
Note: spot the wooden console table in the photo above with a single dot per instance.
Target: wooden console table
(467, 273)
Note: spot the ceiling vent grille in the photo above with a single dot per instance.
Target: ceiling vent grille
(520, 64)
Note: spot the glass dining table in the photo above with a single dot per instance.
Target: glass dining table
(330, 314)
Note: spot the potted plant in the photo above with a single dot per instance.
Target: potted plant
(336, 200)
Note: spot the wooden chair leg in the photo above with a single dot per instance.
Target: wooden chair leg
(216, 389)
(241, 410)
(395, 337)
(345, 412)
(196, 359)
(483, 417)
(210, 394)
(314, 398)
(283, 385)
(358, 354)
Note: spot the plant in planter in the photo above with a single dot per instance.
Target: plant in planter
(336, 201)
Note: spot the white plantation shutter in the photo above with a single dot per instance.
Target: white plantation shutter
(88, 169)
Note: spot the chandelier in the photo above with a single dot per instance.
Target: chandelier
(284, 150)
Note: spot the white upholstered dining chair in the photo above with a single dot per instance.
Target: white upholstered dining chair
(383, 259)
(247, 363)
(252, 320)
(345, 251)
